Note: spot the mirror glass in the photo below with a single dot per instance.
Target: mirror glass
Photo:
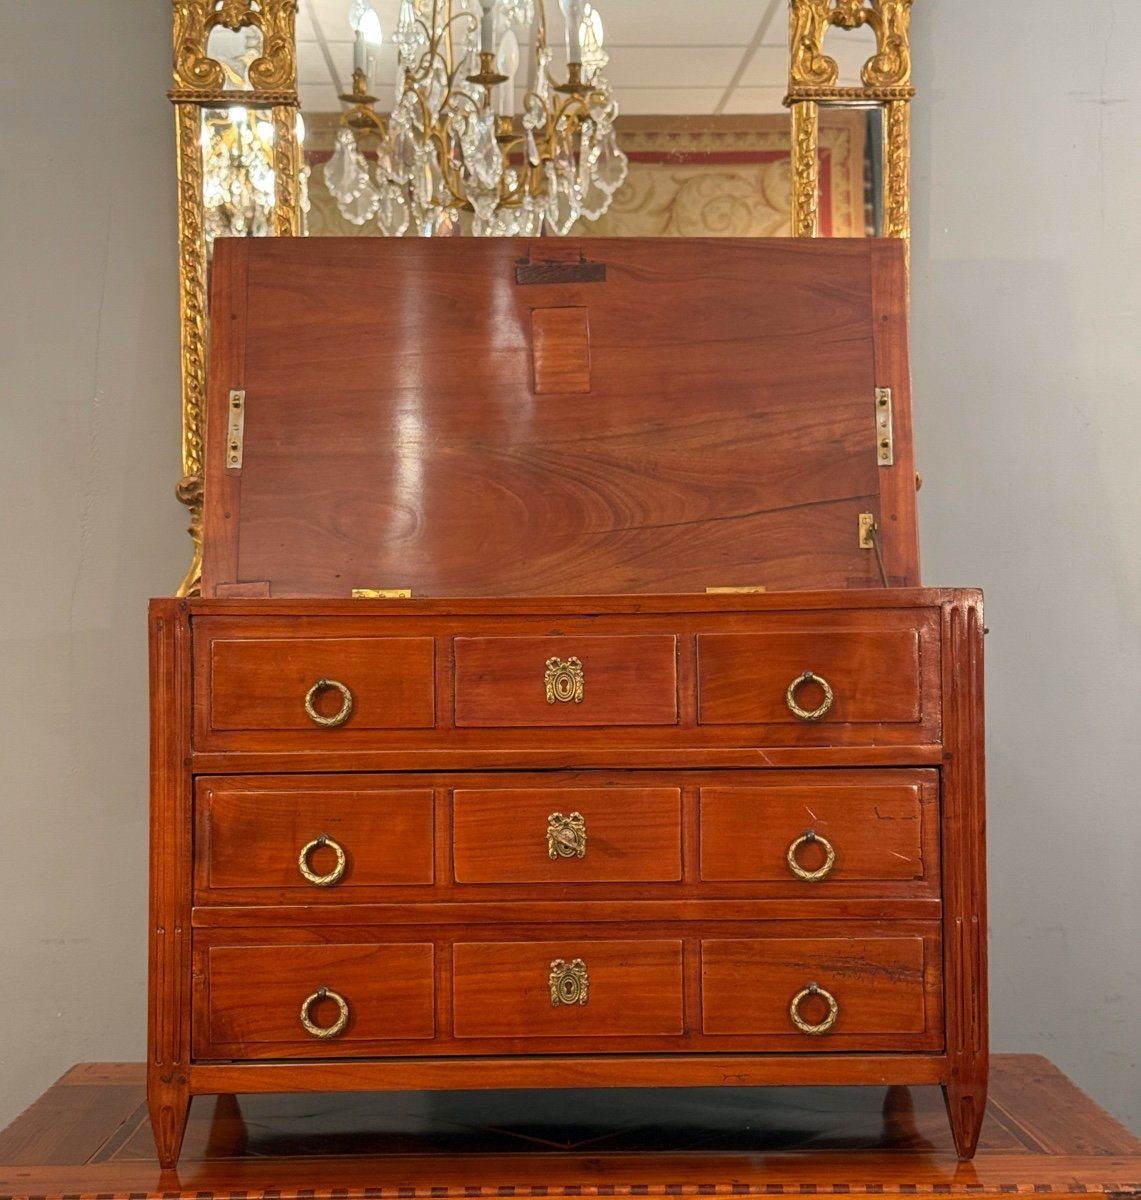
(851, 162)
(699, 90)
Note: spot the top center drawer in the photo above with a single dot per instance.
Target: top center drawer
(553, 681)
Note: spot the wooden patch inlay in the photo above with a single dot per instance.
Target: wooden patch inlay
(560, 346)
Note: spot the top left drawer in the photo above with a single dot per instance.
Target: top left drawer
(312, 686)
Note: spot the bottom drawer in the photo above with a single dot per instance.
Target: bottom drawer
(820, 991)
(301, 1001)
(567, 989)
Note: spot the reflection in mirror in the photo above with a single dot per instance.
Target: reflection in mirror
(857, 160)
(702, 128)
(238, 182)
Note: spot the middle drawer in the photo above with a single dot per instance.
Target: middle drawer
(480, 836)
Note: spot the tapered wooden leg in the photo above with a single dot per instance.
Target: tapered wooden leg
(966, 1105)
(169, 1106)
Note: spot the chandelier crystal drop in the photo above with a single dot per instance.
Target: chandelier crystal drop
(469, 145)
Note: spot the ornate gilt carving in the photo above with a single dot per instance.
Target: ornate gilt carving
(805, 169)
(886, 80)
(810, 21)
(192, 310)
(286, 165)
(197, 76)
(897, 172)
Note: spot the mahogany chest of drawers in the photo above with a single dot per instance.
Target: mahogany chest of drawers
(562, 819)
(659, 841)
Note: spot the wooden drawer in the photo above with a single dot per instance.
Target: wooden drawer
(534, 835)
(847, 831)
(503, 990)
(882, 987)
(253, 834)
(874, 677)
(261, 684)
(248, 999)
(517, 681)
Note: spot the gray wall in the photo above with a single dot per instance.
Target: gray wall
(1026, 308)
(1026, 340)
(89, 528)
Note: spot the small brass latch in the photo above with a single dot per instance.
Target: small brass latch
(382, 593)
(867, 531)
(885, 433)
(235, 430)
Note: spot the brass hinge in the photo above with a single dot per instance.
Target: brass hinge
(885, 434)
(382, 593)
(235, 430)
(751, 590)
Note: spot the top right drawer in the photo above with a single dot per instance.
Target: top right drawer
(866, 674)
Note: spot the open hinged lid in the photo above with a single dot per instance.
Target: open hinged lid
(465, 417)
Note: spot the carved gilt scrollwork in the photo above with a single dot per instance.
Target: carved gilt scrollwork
(198, 76)
(810, 21)
(886, 80)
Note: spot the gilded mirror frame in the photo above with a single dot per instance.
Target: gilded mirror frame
(200, 84)
(886, 83)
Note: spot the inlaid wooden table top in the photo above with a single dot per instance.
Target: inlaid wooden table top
(88, 1136)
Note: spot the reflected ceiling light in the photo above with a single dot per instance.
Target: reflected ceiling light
(467, 134)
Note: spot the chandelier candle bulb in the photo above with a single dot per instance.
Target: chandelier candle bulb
(507, 63)
(573, 12)
(487, 27)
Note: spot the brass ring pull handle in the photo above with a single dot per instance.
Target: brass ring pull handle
(810, 835)
(334, 876)
(566, 836)
(338, 718)
(801, 1024)
(568, 982)
(803, 713)
(325, 1031)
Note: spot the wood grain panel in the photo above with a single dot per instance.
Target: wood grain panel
(248, 997)
(883, 985)
(707, 452)
(249, 836)
(874, 675)
(886, 832)
(261, 683)
(501, 990)
(560, 343)
(633, 834)
(628, 680)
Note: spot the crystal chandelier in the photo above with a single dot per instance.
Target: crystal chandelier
(454, 142)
